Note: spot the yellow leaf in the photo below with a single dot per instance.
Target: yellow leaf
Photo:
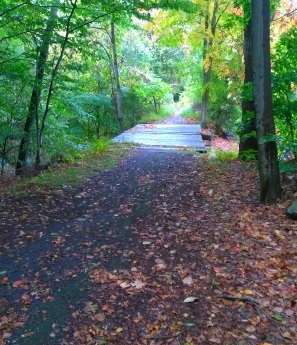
(119, 330)
(248, 292)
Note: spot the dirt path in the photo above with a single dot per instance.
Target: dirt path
(112, 262)
(68, 256)
(176, 118)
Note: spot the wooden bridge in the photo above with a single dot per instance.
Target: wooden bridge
(166, 136)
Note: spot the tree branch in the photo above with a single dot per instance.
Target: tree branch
(100, 16)
(15, 7)
(285, 15)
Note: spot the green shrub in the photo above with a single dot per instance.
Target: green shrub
(225, 155)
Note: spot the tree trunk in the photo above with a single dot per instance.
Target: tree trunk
(207, 67)
(248, 146)
(118, 92)
(270, 188)
(55, 68)
(36, 92)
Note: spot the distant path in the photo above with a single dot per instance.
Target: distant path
(177, 119)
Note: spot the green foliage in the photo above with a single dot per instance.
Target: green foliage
(100, 146)
(72, 173)
(225, 155)
(152, 117)
(285, 89)
(189, 113)
(153, 65)
(224, 107)
(249, 155)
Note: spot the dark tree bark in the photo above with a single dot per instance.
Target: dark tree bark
(40, 128)
(270, 188)
(36, 93)
(248, 145)
(118, 93)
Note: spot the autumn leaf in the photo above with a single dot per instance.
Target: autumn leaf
(188, 280)
(215, 340)
(4, 281)
(90, 307)
(248, 292)
(99, 317)
(107, 308)
(124, 285)
(17, 283)
(138, 284)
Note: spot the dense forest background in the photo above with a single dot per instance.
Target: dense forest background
(75, 73)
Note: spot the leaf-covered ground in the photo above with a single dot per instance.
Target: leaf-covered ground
(113, 261)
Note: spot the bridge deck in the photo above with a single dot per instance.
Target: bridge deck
(165, 136)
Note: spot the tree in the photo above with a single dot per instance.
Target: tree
(115, 65)
(270, 188)
(210, 23)
(248, 146)
(36, 92)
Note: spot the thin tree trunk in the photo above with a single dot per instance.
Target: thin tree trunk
(248, 146)
(207, 67)
(55, 69)
(206, 75)
(117, 79)
(270, 188)
(36, 92)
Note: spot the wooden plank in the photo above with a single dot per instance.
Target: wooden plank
(161, 135)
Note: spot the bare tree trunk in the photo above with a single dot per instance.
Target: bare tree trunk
(116, 78)
(270, 188)
(55, 68)
(207, 67)
(248, 146)
(36, 92)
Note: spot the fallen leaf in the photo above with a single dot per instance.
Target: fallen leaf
(107, 308)
(289, 312)
(250, 329)
(138, 284)
(188, 281)
(4, 281)
(124, 285)
(248, 292)
(90, 307)
(278, 317)
(190, 299)
(99, 317)
(215, 340)
(159, 261)
(17, 283)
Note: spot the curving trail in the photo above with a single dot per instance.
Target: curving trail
(113, 261)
